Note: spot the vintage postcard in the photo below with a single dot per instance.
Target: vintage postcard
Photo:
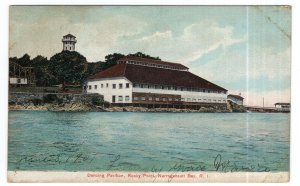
(149, 93)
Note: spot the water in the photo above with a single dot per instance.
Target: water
(124, 141)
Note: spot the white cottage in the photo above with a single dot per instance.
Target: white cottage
(18, 81)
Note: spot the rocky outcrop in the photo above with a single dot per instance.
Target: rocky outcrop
(70, 107)
(25, 98)
(233, 107)
(56, 102)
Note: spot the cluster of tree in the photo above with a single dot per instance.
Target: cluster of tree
(140, 54)
(67, 68)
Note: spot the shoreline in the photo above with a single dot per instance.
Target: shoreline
(92, 108)
(135, 177)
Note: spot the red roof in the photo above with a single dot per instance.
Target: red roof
(152, 61)
(157, 76)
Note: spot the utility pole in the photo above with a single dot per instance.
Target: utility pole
(263, 102)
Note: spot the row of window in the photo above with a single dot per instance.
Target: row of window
(176, 99)
(156, 99)
(120, 98)
(68, 48)
(176, 88)
(114, 86)
(69, 42)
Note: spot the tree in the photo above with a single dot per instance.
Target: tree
(112, 59)
(24, 61)
(140, 54)
(68, 68)
(41, 70)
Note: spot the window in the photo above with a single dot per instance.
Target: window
(143, 98)
(181, 89)
(136, 98)
(142, 86)
(176, 99)
(156, 99)
(127, 98)
(114, 86)
(101, 85)
(194, 100)
(127, 85)
(90, 87)
(169, 87)
(199, 100)
(188, 99)
(150, 98)
(95, 86)
(164, 99)
(170, 99)
(18, 81)
(106, 85)
(120, 98)
(182, 99)
(120, 86)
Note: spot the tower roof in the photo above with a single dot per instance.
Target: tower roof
(69, 35)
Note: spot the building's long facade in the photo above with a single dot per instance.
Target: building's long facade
(147, 81)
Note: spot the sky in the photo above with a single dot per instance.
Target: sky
(245, 49)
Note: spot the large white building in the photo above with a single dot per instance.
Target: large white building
(148, 81)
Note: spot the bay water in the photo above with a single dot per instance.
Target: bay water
(127, 141)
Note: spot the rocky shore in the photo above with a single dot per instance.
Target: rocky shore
(95, 103)
(79, 107)
(143, 109)
(68, 107)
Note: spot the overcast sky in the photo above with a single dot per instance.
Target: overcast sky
(243, 49)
